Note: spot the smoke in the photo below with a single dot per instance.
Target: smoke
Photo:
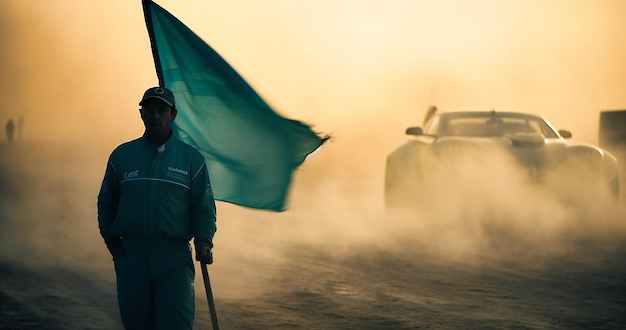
(339, 66)
(490, 212)
(361, 71)
(472, 204)
(70, 72)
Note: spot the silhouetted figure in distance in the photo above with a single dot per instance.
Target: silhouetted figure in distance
(10, 130)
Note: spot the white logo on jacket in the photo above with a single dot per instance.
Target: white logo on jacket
(131, 174)
(177, 170)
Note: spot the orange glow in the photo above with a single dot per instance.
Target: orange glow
(76, 70)
(359, 70)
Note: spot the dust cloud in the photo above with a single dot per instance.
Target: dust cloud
(69, 74)
(350, 67)
(489, 214)
(360, 71)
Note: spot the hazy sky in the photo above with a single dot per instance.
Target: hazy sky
(353, 68)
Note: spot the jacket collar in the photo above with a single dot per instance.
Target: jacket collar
(160, 149)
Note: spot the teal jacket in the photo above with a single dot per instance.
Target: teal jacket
(151, 192)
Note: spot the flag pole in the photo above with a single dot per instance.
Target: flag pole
(147, 13)
(209, 296)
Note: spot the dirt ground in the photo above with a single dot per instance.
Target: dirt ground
(334, 260)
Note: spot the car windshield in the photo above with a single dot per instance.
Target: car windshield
(492, 124)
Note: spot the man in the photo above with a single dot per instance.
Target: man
(156, 196)
(10, 130)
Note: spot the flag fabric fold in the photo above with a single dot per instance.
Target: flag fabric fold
(250, 150)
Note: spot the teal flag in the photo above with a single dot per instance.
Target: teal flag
(251, 151)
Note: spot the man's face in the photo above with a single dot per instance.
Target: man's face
(157, 117)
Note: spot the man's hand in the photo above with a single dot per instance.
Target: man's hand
(114, 244)
(203, 252)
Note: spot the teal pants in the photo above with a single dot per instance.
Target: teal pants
(155, 284)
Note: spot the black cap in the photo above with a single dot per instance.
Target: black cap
(160, 93)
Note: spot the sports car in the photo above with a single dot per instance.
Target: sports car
(464, 153)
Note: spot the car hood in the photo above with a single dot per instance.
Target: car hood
(529, 150)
